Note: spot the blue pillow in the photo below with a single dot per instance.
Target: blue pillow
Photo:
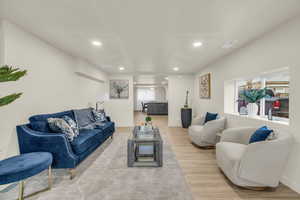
(210, 116)
(260, 134)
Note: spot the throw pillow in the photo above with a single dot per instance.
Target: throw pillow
(84, 117)
(260, 134)
(210, 117)
(60, 125)
(72, 124)
(99, 115)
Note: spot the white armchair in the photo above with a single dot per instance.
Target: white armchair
(257, 165)
(205, 135)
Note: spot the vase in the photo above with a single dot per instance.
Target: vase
(252, 109)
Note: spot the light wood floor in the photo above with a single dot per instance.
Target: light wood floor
(201, 172)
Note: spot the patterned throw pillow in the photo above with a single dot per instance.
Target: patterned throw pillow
(60, 125)
(72, 124)
(99, 115)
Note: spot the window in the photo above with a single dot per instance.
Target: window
(276, 105)
(145, 94)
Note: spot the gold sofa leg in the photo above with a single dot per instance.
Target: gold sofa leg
(21, 190)
(72, 173)
(22, 186)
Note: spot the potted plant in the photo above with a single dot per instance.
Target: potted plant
(252, 96)
(148, 120)
(7, 74)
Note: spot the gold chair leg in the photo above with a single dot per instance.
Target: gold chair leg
(21, 190)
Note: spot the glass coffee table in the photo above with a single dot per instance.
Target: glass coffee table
(145, 148)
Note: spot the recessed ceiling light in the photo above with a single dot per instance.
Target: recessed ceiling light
(175, 68)
(96, 43)
(197, 44)
(121, 68)
(166, 78)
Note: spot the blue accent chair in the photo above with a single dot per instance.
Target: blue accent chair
(23, 166)
(37, 136)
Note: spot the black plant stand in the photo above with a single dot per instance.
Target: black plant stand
(186, 117)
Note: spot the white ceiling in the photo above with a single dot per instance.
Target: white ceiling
(148, 36)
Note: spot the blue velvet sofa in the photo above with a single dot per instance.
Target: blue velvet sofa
(37, 137)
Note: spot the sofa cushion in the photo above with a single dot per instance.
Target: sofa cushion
(39, 122)
(41, 126)
(210, 116)
(260, 134)
(84, 117)
(44, 117)
(86, 139)
(106, 125)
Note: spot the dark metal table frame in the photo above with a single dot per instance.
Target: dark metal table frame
(157, 143)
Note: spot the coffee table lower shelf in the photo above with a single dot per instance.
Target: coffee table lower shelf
(135, 155)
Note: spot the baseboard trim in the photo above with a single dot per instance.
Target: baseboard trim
(291, 184)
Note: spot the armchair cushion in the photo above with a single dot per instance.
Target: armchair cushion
(210, 117)
(260, 134)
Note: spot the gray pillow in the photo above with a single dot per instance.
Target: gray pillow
(59, 125)
(84, 117)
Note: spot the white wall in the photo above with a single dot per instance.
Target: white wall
(121, 110)
(1, 44)
(50, 86)
(177, 87)
(275, 50)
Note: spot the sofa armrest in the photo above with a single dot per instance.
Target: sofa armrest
(237, 135)
(55, 143)
(264, 162)
(199, 120)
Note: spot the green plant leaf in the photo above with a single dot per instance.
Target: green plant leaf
(253, 95)
(8, 73)
(9, 99)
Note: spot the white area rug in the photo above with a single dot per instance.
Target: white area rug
(105, 176)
